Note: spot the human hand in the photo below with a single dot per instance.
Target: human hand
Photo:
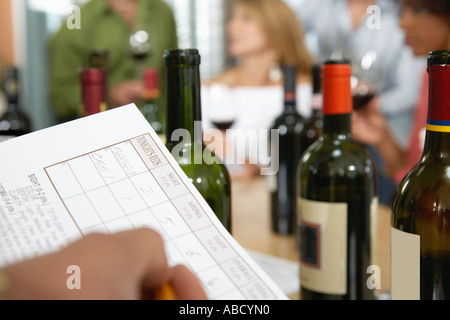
(125, 93)
(369, 124)
(123, 266)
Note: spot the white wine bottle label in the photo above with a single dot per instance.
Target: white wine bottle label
(405, 265)
(323, 246)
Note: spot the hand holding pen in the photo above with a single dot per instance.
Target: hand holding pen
(124, 266)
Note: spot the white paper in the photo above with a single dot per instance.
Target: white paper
(285, 273)
(110, 172)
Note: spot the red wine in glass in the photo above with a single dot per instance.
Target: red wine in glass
(361, 100)
(223, 125)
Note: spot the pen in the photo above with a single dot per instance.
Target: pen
(165, 292)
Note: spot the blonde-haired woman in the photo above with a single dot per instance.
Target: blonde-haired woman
(263, 35)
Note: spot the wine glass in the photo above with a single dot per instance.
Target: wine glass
(140, 48)
(221, 110)
(364, 87)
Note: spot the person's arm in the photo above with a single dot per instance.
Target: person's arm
(404, 85)
(398, 101)
(369, 126)
(123, 266)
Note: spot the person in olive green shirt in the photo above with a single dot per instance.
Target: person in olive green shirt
(108, 25)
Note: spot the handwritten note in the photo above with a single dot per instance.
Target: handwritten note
(86, 176)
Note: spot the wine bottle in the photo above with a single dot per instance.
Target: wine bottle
(15, 121)
(184, 112)
(313, 125)
(337, 196)
(94, 91)
(99, 59)
(283, 188)
(149, 107)
(420, 229)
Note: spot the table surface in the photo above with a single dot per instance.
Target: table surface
(251, 227)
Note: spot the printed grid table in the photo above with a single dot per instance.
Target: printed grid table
(132, 184)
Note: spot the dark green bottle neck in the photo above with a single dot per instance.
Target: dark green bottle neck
(290, 107)
(183, 101)
(316, 113)
(12, 107)
(337, 126)
(437, 146)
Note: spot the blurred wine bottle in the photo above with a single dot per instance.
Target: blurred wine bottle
(15, 121)
(94, 91)
(149, 107)
(282, 185)
(99, 59)
(420, 228)
(338, 198)
(314, 124)
(184, 133)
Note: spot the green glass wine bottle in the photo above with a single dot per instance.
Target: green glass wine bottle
(337, 197)
(289, 125)
(15, 121)
(420, 220)
(313, 125)
(184, 132)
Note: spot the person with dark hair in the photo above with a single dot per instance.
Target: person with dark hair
(385, 71)
(427, 27)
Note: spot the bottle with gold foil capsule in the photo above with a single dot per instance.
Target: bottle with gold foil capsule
(94, 91)
(337, 201)
(420, 220)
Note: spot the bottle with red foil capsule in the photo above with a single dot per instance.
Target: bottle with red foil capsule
(420, 220)
(337, 199)
(94, 91)
(151, 95)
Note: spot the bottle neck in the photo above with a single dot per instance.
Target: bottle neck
(290, 106)
(183, 101)
(337, 101)
(437, 141)
(151, 85)
(12, 107)
(337, 126)
(317, 102)
(437, 146)
(290, 89)
(94, 91)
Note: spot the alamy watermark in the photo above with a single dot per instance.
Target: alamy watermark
(231, 147)
(73, 282)
(373, 21)
(74, 20)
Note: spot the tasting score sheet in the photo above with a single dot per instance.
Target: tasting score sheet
(107, 173)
